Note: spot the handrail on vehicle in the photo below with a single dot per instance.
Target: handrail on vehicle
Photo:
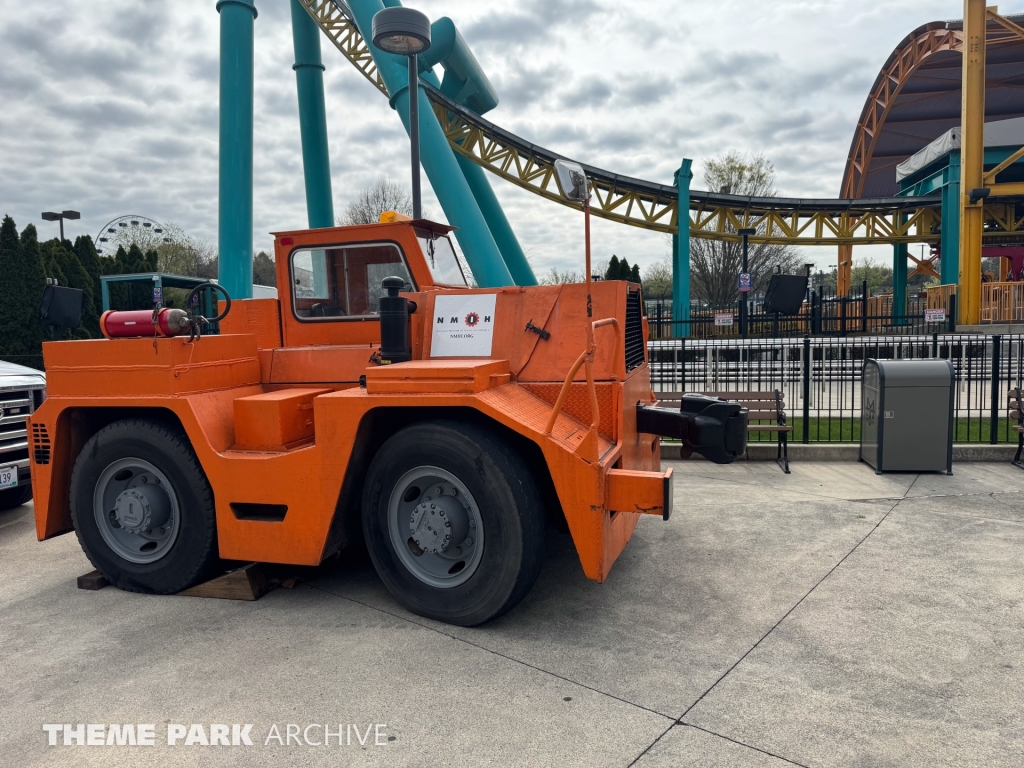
(587, 357)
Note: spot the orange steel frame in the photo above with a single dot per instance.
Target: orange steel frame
(604, 473)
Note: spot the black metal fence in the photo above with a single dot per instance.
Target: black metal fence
(820, 378)
(823, 313)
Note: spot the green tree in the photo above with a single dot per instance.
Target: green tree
(715, 264)
(658, 280)
(634, 275)
(20, 292)
(263, 270)
(51, 264)
(76, 276)
(612, 273)
(183, 254)
(134, 261)
(87, 256)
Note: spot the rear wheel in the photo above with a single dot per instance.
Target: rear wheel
(15, 497)
(143, 509)
(453, 522)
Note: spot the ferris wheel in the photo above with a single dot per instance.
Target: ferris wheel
(126, 229)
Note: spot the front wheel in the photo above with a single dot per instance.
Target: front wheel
(143, 509)
(453, 522)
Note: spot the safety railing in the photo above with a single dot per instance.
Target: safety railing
(938, 296)
(1002, 302)
(820, 378)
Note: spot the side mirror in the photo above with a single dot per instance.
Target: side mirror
(572, 181)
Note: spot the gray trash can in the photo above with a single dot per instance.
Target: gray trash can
(906, 422)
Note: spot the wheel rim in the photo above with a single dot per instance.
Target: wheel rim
(136, 510)
(435, 527)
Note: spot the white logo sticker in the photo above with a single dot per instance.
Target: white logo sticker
(463, 325)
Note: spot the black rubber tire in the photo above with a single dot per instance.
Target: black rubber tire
(15, 497)
(510, 507)
(194, 553)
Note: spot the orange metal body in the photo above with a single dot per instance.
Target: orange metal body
(276, 412)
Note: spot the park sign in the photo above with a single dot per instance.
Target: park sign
(723, 319)
(746, 282)
(935, 315)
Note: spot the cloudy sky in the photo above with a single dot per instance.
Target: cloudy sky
(111, 107)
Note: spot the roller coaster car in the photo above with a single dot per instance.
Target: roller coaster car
(296, 433)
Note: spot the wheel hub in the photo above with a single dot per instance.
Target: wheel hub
(141, 509)
(438, 524)
(132, 511)
(436, 527)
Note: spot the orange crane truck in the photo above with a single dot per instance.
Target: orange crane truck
(444, 425)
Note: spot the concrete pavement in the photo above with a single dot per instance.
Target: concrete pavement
(827, 618)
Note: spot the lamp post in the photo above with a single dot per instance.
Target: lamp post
(55, 216)
(406, 32)
(745, 234)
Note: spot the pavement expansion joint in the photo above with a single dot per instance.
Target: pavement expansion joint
(785, 616)
(493, 652)
(740, 743)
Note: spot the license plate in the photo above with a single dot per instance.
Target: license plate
(8, 477)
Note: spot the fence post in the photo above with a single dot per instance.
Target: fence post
(864, 307)
(682, 366)
(993, 430)
(935, 345)
(952, 314)
(806, 437)
(842, 316)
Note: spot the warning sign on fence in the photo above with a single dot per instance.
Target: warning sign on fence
(723, 318)
(935, 315)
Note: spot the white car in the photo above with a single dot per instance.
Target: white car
(22, 390)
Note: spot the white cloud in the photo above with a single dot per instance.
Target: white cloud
(112, 107)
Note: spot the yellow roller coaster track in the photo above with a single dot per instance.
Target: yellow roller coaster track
(653, 206)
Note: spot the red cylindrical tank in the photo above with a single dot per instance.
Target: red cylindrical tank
(139, 322)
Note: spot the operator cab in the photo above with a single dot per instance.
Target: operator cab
(345, 281)
(330, 279)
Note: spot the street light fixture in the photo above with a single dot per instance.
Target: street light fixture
(54, 216)
(406, 32)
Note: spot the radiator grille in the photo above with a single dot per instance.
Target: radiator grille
(40, 444)
(634, 332)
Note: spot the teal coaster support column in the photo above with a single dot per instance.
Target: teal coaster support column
(899, 283)
(681, 252)
(234, 236)
(309, 77)
(508, 244)
(949, 259)
(442, 169)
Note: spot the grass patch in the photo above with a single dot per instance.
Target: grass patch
(847, 430)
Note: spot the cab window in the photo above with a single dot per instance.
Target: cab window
(344, 282)
(440, 255)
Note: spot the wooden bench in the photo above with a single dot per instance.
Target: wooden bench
(761, 407)
(1017, 412)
